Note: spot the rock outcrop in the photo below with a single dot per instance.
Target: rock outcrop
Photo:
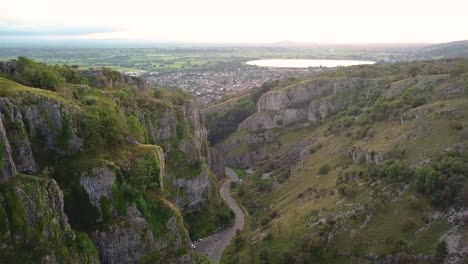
(98, 184)
(8, 165)
(107, 78)
(180, 131)
(131, 240)
(308, 101)
(359, 155)
(7, 67)
(35, 212)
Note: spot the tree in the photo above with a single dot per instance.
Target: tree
(135, 129)
(441, 250)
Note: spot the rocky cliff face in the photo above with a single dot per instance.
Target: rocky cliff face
(7, 67)
(300, 105)
(118, 200)
(33, 210)
(182, 134)
(131, 240)
(106, 78)
(39, 119)
(308, 101)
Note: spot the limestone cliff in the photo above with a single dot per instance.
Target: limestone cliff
(307, 101)
(33, 210)
(126, 199)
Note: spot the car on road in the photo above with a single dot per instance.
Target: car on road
(192, 246)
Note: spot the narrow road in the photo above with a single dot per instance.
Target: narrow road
(214, 245)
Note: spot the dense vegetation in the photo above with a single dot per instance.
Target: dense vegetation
(45, 76)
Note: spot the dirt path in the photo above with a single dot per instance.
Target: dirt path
(213, 245)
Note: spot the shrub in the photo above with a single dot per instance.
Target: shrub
(441, 250)
(239, 241)
(443, 179)
(38, 74)
(324, 169)
(102, 126)
(265, 186)
(135, 129)
(106, 210)
(265, 221)
(346, 190)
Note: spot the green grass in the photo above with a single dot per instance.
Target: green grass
(11, 88)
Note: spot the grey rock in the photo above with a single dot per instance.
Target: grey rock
(130, 239)
(194, 189)
(7, 67)
(216, 163)
(8, 169)
(98, 184)
(19, 141)
(308, 101)
(359, 155)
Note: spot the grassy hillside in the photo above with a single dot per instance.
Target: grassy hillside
(387, 176)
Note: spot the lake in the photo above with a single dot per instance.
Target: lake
(299, 63)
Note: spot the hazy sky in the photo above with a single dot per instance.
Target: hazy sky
(236, 20)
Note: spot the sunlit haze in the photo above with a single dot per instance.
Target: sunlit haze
(337, 21)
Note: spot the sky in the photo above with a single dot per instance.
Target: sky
(236, 21)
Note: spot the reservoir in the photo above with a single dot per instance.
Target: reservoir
(300, 63)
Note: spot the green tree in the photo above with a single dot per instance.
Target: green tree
(441, 250)
(135, 129)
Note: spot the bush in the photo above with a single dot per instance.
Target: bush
(38, 74)
(443, 179)
(106, 210)
(324, 169)
(135, 129)
(265, 186)
(239, 241)
(102, 126)
(346, 190)
(441, 250)
(45, 76)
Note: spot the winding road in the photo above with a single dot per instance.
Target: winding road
(214, 245)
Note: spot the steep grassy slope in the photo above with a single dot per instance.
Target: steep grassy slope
(371, 168)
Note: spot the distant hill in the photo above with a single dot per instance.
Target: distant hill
(455, 49)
